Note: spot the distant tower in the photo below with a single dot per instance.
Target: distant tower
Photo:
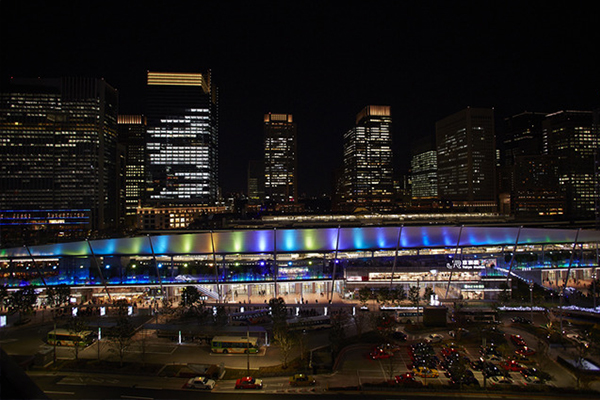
(182, 144)
(466, 159)
(132, 136)
(280, 158)
(368, 171)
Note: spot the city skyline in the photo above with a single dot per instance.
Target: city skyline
(320, 63)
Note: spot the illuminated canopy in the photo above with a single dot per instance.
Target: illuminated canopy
(307, 240)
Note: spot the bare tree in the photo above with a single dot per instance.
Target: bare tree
(121, 337)
(76, 326)
(287, 341)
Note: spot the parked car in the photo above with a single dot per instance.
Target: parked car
(407, 379)
(525, 351)
(201, 382)
(248, 382)
(426, 372)
(302, 380)
(512, 365)
(379, 353)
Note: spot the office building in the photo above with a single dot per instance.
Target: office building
(466, 156)
(424, 175)
(58, 150)
(182, 147)
(256, 182)
(368, 170)
(281, 163)
(132, 136)
(569, 136)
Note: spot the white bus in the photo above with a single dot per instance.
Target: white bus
(234, 344)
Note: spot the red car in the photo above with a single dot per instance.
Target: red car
(512, 365)
(248, 382)
(378, 353)
(518, 340)
(407, 379)
(525, 351)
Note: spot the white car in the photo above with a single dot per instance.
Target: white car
(434, 338)
(201, 382)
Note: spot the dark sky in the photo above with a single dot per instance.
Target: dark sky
(322, 61)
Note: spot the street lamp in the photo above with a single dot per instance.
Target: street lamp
(531, 299)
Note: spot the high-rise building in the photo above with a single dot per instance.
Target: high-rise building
(280, 158)
(466, 159)
(132, 136)
(368, 170)
(424, 175)
(537, 192)
(256, 182)
(569, 136)
(58, 149)
(182, 147)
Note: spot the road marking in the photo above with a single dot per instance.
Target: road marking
(136, 397)
(55, 392)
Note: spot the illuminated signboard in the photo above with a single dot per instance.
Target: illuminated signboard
(465, 264)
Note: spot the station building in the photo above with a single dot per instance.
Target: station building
(327, 264)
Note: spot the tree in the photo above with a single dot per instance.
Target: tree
(121, 336)
(428, 293)
(337, 333)
(364, 294)
(397, 294)
(361, 322)
(57, 296)
(189, 296)
(76, 325)
(287, 341)
(278, 313)
(22, 301)
(414, 297)
(383, 296)
(221, 316)
(3, 296)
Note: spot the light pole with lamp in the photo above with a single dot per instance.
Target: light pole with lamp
(531, 299)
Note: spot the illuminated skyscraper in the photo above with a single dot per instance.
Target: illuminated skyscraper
(569, 136)
(132, 135)
(182, 146)
(280, 158)
(58, 148)
(368, 171)
(466, 159)
(424, 175)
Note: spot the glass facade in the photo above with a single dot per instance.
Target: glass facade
(132, 134)
(280, 158)
(424, 175)
(59, 147)
(569, 136)
(368, 169)
(466, 156)
(182, 146)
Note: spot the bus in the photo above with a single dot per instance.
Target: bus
(309, 323)
(234, 344)
(63, 337)
(251, 317)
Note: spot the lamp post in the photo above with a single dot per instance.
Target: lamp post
(531, 299)
(248, 348)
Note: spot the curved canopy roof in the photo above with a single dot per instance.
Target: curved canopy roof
(306, 240)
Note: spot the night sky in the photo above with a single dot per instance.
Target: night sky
(322, 61)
